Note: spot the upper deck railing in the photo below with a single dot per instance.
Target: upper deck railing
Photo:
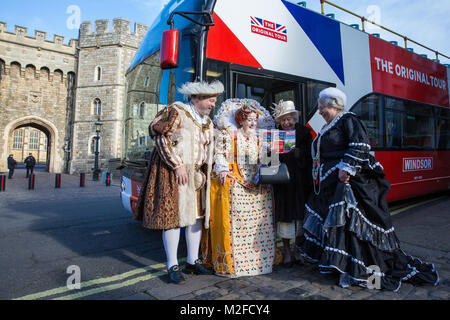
(363, 20)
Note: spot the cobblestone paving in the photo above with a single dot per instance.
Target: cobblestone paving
(306, 283)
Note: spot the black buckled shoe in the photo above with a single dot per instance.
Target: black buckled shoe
(175, 275)
(197, 269)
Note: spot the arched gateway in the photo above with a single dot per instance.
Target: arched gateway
(53, 157)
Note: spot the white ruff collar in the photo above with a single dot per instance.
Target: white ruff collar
(194, 113)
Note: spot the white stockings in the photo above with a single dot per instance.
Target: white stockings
(171, 239)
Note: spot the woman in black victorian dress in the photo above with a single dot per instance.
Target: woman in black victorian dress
(348, 227)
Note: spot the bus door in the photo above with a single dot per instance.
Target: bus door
(267, 90)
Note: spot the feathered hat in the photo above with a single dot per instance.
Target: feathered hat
(203, 88)
(225, 118)
(283, 108)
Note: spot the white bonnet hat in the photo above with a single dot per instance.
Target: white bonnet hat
(190, 89)
(334, 93)
(283, 108)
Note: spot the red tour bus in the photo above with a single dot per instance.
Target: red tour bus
(270, 50)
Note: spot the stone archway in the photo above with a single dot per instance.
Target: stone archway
(54, 161)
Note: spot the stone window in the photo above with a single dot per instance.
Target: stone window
(18, 140)
(34, 140)
(97, 107)
(142, 110)
(15, 70)
(30, 72)
(146, 82)
(98, 73)
(45, 73)
(58, 76)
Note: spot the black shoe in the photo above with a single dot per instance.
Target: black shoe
(197, 269)
(175, 276)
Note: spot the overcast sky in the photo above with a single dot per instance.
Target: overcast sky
(425, 21)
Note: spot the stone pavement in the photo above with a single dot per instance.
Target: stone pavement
(423, 232)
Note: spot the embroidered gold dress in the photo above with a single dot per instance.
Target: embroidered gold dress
(242, 238)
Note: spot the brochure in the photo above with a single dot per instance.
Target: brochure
(280, 141)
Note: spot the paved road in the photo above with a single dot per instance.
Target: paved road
(43, 232)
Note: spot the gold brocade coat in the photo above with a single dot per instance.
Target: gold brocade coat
(179, 140)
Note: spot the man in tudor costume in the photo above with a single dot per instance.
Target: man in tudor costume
(176, 191)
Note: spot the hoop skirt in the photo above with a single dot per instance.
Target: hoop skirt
(348, 227)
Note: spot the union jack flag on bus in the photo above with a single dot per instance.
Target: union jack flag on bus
(268, 28)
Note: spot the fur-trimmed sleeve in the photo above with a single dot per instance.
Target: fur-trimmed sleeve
(161, 130)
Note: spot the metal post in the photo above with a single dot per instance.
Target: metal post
(98, 128)
(58, 181)
(82, 180)
(31, 182)
(96, 173)
(2, 183)
(108, 179)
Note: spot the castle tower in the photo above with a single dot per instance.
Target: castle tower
(104, 56)
(36, 90)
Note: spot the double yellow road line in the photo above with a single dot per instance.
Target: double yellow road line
(157, 272)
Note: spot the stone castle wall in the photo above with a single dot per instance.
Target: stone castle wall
(108, 52)
(34, 88)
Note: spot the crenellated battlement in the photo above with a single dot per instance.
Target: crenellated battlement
(121, 33)
(20, 35)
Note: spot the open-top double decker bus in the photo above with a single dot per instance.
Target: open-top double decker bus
(270, 50)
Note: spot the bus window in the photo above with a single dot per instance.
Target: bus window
(443, 129)
(394, 129)
(142, 90)
(313, 90)
(395, 104)
(368, 109)
(187, 66)
(419, 126)
(217, 70)
(265, 90)
(288, 95)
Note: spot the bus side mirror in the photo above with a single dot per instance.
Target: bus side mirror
(169, 49)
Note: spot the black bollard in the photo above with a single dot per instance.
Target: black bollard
(31, 182)
(2, 183)
(108, 179)
(82, 180)
(58, 181)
